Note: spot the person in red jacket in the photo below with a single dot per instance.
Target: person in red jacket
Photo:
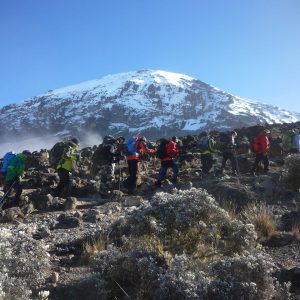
(168, 162)
(261, 147)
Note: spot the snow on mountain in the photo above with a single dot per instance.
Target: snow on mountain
(155, 103)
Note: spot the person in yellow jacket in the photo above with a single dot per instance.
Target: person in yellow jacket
(206, 146)
(65, 167)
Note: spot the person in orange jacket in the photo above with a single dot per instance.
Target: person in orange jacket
(167, 161)
(260, 146)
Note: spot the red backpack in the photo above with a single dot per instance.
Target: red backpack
(255, 146)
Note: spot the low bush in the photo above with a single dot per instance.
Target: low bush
(292, 166)
(24, 264)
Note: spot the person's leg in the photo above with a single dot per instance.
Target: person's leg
(18, 190)
(132, 169)
(162, 173)
(8, 187)
(266, 163)
(256, 162)
(224, 160)
(175, 172)
(203, 158)
(64, 181)
(209, 162)
(233, 162)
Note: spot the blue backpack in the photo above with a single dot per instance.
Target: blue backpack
(129, 148)
(6, 159)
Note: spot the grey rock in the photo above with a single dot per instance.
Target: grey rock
(116, 195)
(70, 203)
(67, 221)
(133, 201)
(91, 216)
(11, 214)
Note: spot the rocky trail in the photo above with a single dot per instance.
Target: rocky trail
(104, 244)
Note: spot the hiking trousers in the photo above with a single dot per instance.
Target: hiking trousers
(258, 158)
(132, 170)
(18, 191)
(206, 162)
(229, 155)
(164, 168)
(64, 183)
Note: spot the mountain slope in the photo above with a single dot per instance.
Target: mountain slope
(154, 102)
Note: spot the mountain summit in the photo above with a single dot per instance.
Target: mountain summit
(155, 103)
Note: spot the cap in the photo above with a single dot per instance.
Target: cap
(203, 133)
(174, 138)
(26, 152)
(267, 131)
(75, 141)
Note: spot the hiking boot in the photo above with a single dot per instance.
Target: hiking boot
(130, 191)
(157, 184)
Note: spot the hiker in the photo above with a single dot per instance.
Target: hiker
(65, 165)
(260, 146)
(119, 154)
(206, 147)
(295, 142)
(13, 173)
(166, 151)
(4, 164)
(104, 161)
(227, 146)
(290, 141)
(142, 148)
(135, 148)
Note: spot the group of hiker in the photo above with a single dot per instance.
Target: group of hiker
(111, 151)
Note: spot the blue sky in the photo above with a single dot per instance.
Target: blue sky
(250, 48)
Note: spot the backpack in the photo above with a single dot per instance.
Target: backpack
(130, 147)
(108, 140)
(56, 153)
(6, 159)
(225, 138)
(287, 140)
(203, 144)
(255, 145)
(161, 151)
(296, 141)
(102, 155)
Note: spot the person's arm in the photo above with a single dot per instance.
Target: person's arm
(264, 145)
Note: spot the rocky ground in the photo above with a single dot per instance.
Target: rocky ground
(207, 237)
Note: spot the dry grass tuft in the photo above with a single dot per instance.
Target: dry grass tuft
(296, 231)
(262, 218)
(93, 247)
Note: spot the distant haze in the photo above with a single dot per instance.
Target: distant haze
(17, 145)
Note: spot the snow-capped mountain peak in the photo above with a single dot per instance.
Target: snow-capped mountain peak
(155, 102)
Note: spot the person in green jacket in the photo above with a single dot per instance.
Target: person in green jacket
(15, 171)
(206, 146)
(65, 167)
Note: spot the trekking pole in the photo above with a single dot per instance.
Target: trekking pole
(119, 176)
(2, 200)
